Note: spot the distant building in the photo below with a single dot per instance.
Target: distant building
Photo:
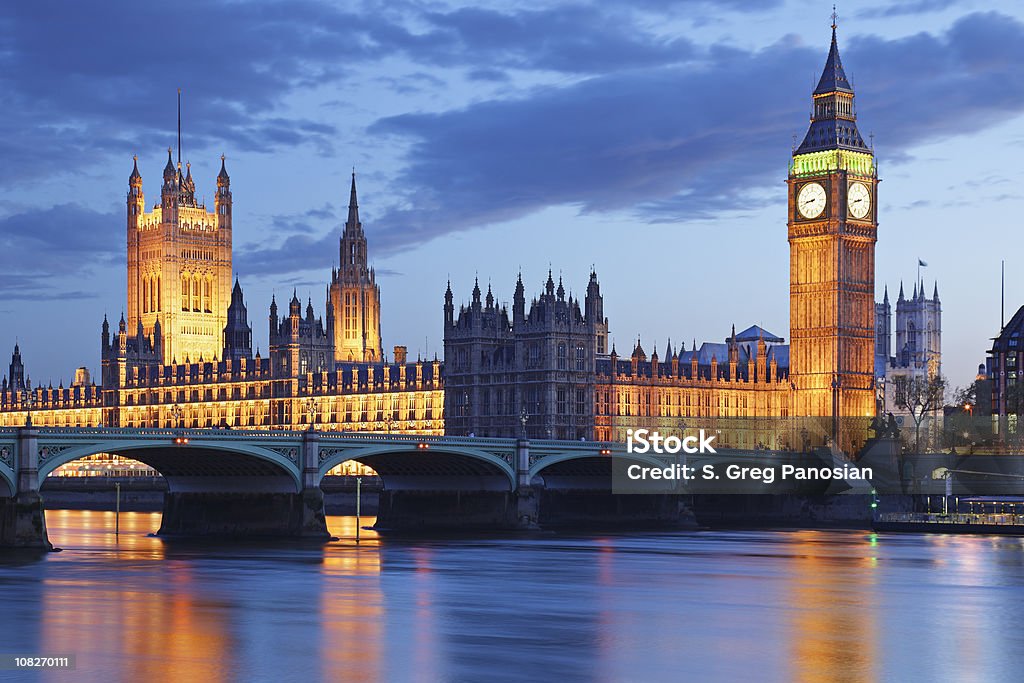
(184, 355)
(179, 264)
(918, 336)
(353, 296)
(745, 376)
(1004, 367)
(536, 367)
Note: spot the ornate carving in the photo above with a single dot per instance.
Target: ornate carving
(326, 453)
(504, 455)
(47, 452)
(290, 453)
(5, 456)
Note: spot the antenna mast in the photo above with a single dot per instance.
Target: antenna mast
(179, 126)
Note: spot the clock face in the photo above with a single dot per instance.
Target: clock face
(810, 202)
(859, 200)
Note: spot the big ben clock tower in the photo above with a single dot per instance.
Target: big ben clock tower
(833, 226)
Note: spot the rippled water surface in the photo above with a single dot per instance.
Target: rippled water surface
(777, 606)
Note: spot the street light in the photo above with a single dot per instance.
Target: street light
(28, 406)
(524, 417)
(176, 412)
(310, 404)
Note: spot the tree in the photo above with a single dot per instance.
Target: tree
(967, 397)
(920, 396)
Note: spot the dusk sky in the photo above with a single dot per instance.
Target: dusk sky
(650, 139)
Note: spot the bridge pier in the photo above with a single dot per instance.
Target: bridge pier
(22, 522)
(252, 513)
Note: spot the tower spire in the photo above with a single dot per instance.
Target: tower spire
(353, 207)
(833, 118)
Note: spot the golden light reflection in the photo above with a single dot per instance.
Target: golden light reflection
(352, 605)
(832, 616)
(94, 529)
(167, 634)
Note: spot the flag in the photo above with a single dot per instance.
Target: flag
(921, 263)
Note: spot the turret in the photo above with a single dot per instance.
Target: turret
(274, 320)
(519, 302)
(330, 315)
(593, 306)
(449, 307)
(237, 332)
(188, 187)
(223, 201)
(16, 371)
(169, 189)
(476, 295)
(105, 335)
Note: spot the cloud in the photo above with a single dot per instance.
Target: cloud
(40, 251)
(571, 38)
(684, 141)
(899, 9)
(102, 79)
(296, 253)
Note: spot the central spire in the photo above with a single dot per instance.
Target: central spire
(353, 209)
(833, 117)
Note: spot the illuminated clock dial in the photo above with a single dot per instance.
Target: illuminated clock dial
(810, 202)
(858, 200)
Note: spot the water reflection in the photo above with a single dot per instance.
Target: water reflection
(351, 605)
(788, 606)
(832, 630)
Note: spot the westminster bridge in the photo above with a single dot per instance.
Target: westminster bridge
(238, 482)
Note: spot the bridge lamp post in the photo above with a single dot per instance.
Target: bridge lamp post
(176, 413)
(311, 411)
(524, 417)
(389, 423)
(28, 406)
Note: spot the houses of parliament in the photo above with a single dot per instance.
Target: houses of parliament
(183, 355)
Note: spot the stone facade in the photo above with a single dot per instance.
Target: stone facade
(532, 373)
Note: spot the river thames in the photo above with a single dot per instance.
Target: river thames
(738, 605)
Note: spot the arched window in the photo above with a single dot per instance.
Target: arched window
(195, 293)
(207, 295)
(145, 295)
(157, 305)
(184, 291)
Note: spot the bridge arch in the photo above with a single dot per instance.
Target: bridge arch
(575, 462)
(8, 486)
(223, 465)
(401, 465)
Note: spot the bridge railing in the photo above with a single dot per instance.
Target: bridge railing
(537, 446)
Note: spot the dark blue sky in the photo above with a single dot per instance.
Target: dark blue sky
(650, 139)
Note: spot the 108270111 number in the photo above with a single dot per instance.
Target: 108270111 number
(10, 662)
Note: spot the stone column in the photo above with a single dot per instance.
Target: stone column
(313, 521)
(22, 523)
(527, 499)
(522, 461)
